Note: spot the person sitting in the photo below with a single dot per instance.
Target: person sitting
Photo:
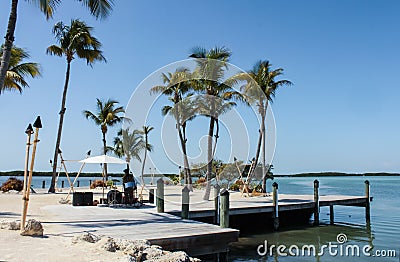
(129, 184)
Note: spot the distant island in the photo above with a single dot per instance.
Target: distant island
(333, 174)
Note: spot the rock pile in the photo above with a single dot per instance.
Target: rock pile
(134, 250)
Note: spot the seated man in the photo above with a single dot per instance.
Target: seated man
(129, 184)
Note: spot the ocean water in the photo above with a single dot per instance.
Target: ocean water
(382, 235)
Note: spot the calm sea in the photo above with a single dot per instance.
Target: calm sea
(383, 234)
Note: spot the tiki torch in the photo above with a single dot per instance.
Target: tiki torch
(37, 125)
(29, 132)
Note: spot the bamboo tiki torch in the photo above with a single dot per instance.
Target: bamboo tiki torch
(37, 125)
(29, 132)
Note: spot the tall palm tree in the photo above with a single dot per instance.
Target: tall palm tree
(128, 144)
(260, 89)
(106, 115)
(177, 87)
(98, 8)
(147, 147)
(209, 74)
(18, 71)
(75, 41)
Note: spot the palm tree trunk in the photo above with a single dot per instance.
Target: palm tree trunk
(105, 152)
(144, 160)
(60, 126)
(216, 135)
(209, 159)
(8, 43)
(188, 179)
(189, 173)
(251, 172)
(264, 175)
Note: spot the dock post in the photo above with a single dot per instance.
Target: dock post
(62, 184)
(77, 185)
(160, 195)
(367, 204)
(185, 202)
(316, 201)
(43, 184)
(151, 196)
(217, 190)
(275, 214)
(224, 208)
(331, 215)
(90, 183)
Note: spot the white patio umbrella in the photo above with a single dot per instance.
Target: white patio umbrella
(103, 159)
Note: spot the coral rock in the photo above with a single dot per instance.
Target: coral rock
(33, 228)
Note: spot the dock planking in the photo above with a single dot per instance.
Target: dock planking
(166, 230)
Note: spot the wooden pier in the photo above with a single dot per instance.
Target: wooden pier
(163, 225)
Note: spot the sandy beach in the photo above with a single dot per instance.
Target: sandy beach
(55, 245)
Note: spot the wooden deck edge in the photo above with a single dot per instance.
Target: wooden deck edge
(199, 244)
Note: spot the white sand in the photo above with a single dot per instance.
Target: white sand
(51, 247)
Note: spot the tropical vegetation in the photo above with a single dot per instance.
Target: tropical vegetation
(18, 70)
(260, 89)
(98, 8)
(209, 81)
(107, 114)
(178, 89)
(75, 41)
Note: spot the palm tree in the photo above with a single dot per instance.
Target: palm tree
(98, 8)
(147, 148)
(211, 66)
(177, 86)
(260, 89)
(128, 144)
(18, 71)
(75, 41)
(106, 115)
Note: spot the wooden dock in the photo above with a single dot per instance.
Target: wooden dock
(166, 230)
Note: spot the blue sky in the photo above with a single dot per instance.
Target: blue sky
(342, 114)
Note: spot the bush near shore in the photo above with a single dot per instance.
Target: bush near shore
(12, 184)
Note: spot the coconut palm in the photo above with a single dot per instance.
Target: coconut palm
(75, 41)
(106, 115)
(209, 75)
(147, 148)
(260, 89)
(128, 144)
(177, 87)
(98, 8)
(18, 71)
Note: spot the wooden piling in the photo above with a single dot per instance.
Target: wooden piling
(331, 215)
(151, 196)
(160, 195)
(43, 183)
(275, 198)
(316, 201)
(77, 185)
(185, 202)
(367, 203)
(90, 182)
(62, 184)
(224, 209)
(217, 190)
